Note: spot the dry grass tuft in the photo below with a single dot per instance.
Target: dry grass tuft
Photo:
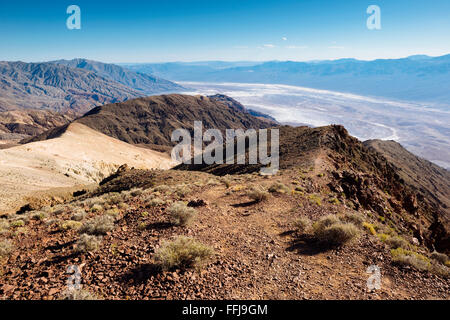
(409, 258)
(355, 218)
(6, 248)
(181, 214)
(79, 215)
(87, 243)
(98, 226)
(258, 194)
(439, 257)
(279, 188)
(183, 252)
(331, 230)
(302, 224)
(70, 225)
(79, 294)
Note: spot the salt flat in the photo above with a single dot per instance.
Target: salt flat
(422, 129)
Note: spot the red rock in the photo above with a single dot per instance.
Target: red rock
(53, 291)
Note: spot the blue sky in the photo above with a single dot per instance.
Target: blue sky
(168, 30)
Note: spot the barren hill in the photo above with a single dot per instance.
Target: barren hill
(17, 125)
(367, 177)
(429, 181)
(150, 121)
(79, 156)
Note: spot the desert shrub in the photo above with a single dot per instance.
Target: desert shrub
(39, 215)
(97, 207)
(336, 234)
(58, 210)
(162, 188)
(123, 206)
(334, 201)
(70, 225)
(370, 228)
(47, 209)
(226, 181)
(114, 198)
(183, 252)
(279, 188)
(114, 212)
(302, 224)
(397, 242)
(440, 270)
(405, 257)
(17, 223)
(51, 222)
(257, 194)
(98, 226)
(315, 199)
(155, 202)
(79, 294)
(181, 214)
(354, 218)
(6, 247)
(4, 226)
(144, 213)
(136, 192)
(182, 190)
(326, 221)
(79, 215)
(87, 243)
(142, 226)
(440, 257)
(212, 182)
(383, 237)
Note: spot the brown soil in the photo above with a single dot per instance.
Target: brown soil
(258, 253)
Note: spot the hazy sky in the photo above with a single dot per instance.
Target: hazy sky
(168, 30)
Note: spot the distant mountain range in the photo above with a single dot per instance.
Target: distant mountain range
(77, 85)
(417, 78)
(147, 84)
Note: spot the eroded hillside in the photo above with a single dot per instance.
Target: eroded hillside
(309, 232)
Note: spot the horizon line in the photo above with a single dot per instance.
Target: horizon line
(234, 61)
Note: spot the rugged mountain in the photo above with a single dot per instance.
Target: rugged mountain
(430, 182)
(76, 85)
(141, 82)
(150, 121)
(19, 124)
(56, 87)
(419, 79)
(398, 186)
(232, 103)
